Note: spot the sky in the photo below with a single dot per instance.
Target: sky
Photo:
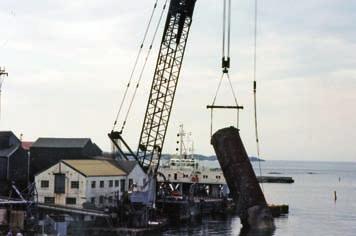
(69, 63)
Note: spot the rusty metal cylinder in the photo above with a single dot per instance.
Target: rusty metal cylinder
(238, 172)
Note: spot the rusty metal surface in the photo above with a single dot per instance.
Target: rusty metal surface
(238, 171)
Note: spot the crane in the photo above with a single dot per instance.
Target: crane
(161, 98)
(163, 88)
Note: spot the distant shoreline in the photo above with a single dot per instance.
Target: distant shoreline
(200, 157)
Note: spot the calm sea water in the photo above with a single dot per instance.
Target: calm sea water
(313, 210)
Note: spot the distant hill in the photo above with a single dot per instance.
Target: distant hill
(205, 158)
(166, 157)
(256, 159)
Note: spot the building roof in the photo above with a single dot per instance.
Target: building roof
(127, 166)
(91, 168)
(6, 134)
(9, 143)
(26, 145)
(7, 152)
(61, 142)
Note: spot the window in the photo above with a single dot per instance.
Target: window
(116, 183)
(122, 185)
(111, 183)
(59, 183)
(44, 183)
(71, 201)
(101, 184)
(175, 176)
(49, 200)
(130, 183)
(93, 184)
(92, 200)
(74, 184)
(110, 199)
(101, 199)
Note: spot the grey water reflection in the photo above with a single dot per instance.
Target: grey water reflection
(214, 226)
(313, 210)
(250, 232)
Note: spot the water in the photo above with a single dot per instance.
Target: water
(313, 210)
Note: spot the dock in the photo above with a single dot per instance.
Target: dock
(177, 210)
(279, 210)
(275, 179)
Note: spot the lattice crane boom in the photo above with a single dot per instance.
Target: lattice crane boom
(164, 84)
(163, 88)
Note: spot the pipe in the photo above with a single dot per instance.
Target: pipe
(241, 179)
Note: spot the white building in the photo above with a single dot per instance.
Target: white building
(99, 183)
(136, 178)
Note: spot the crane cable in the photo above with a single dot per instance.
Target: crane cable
(226, 36)
(4, 43)
(226, 29)
(211, 111)
(255, 91)
(215, 97)
(229, 29)
(135, 63)
(144, 66)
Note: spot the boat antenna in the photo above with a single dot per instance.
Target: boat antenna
(3, 73)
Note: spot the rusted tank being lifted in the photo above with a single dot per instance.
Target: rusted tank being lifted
(241, 179)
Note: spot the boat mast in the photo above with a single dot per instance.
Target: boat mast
(3, 73)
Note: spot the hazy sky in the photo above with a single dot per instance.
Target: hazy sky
(69, 62)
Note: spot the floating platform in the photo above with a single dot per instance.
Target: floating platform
(275, 179)
(279, 210)
(178, 210)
